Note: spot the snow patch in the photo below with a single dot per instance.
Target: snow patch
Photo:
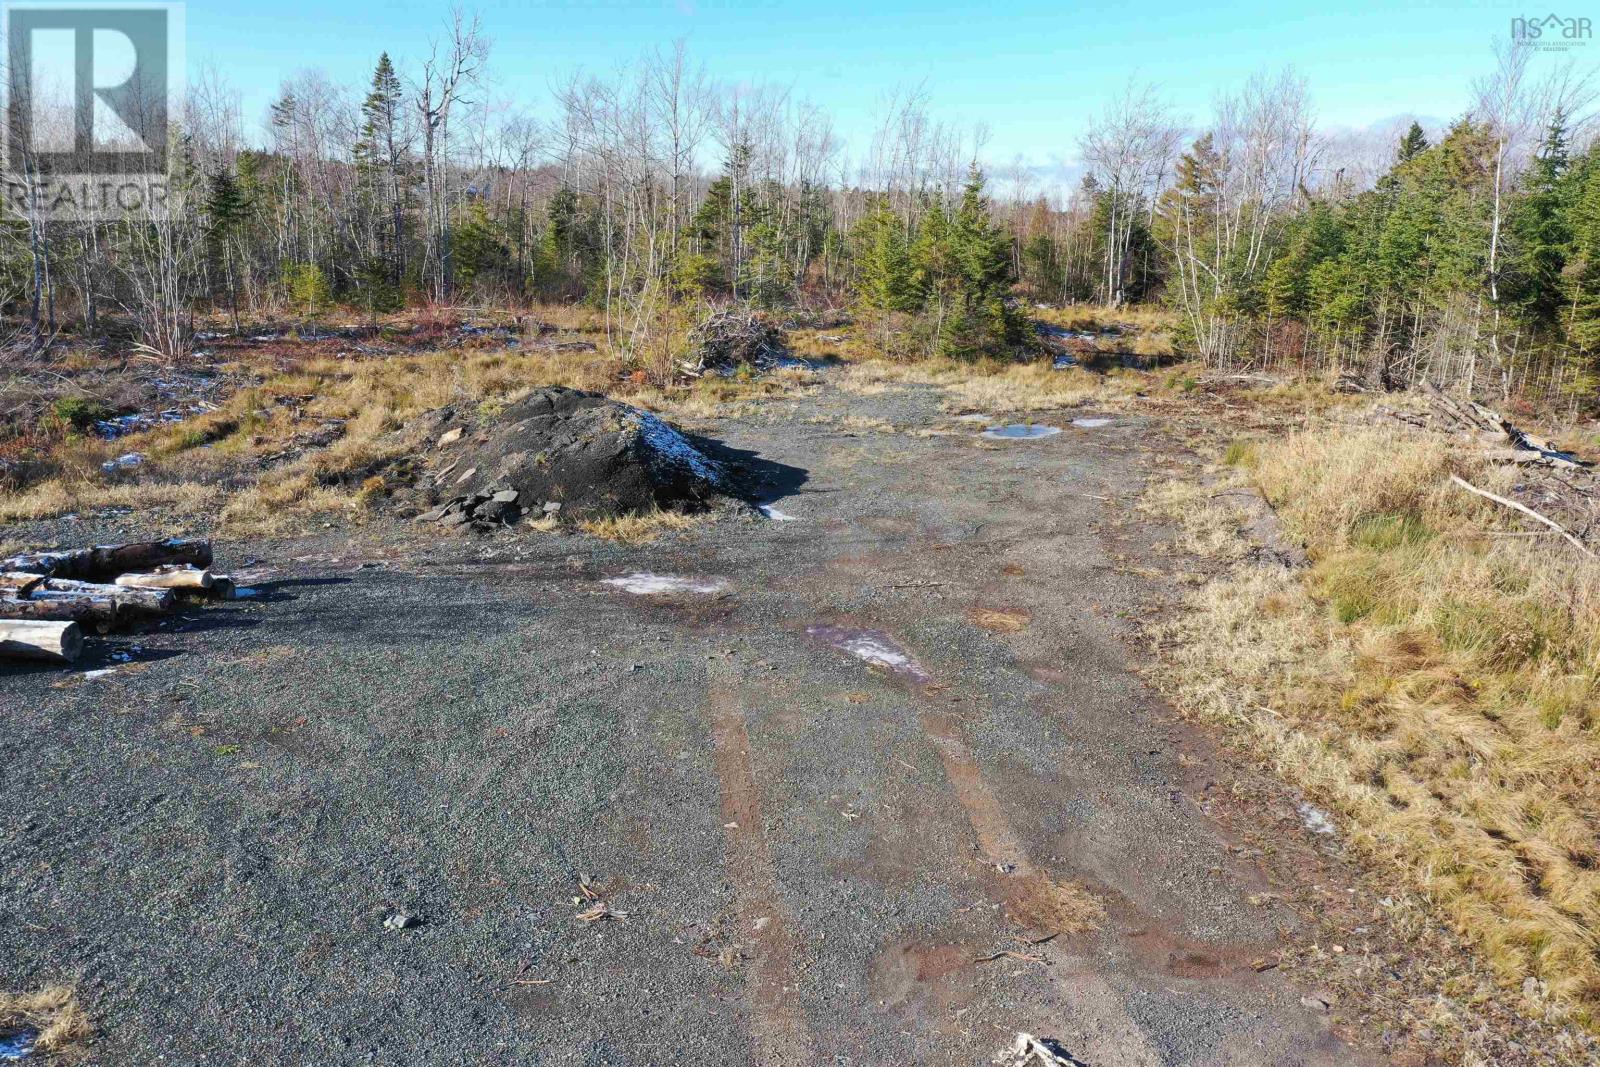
(643, 583)
(872, 647)
(675, 448)
(1091, 424)
(1316, 820)
(775, 515)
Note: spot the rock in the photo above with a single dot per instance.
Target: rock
(435, 515)
(451, 436)
(1317, 1001)
(400, 921)
(497, 511)
(597, 457)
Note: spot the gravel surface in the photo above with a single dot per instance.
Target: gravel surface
(430, 800)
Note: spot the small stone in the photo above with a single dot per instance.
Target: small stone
(400, 921)
(552, 506)
(456, 518)
(450, 436)
(1317, 1002)
(435, 515)
(505, 496)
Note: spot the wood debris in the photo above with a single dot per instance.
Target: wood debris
(46, 596)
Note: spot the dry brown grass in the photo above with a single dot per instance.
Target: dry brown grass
(54, 1013)
(638, 529)
(1435, 685)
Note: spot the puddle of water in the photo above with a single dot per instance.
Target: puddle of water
(123, 462)
(872, 647)
(245, 592)
(1316, 820)
(644, 583)
(775, 515)
(1020, 431)
(1064, 363)
(17, 1045)
(1090, 424)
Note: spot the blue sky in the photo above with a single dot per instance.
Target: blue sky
(1033, 71)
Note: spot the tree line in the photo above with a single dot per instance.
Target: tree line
(1467, 255)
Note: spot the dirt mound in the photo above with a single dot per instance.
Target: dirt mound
(566, 452)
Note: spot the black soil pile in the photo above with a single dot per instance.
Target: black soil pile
(564, 452)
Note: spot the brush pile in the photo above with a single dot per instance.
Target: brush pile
(47, 598)
(730, 338)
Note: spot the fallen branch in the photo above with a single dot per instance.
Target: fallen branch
(1515, 506)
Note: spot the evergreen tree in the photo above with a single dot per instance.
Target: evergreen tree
(227, 209)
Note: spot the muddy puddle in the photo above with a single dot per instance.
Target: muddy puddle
(1020, 431)
(643, 583)
(872, 647)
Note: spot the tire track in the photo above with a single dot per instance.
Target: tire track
(780, 1033)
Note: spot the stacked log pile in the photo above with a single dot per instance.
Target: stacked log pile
(48, 598)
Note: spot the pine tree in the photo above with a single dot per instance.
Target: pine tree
(227, 209)
(1413, 144)
(380, 156)
(885, 276)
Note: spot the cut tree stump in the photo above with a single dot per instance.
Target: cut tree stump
(56, 641)
(108, 561)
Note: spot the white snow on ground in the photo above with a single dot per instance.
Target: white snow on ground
(1090, 424)
(676, 448)
(870, 647)
(1316, 820)
(644, 583)
(775, 515)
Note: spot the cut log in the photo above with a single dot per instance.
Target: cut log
(223, 588)
(137, 601)
(108, 561)
(19, 583)
(168, 578)
(58, 641)
(96, 611)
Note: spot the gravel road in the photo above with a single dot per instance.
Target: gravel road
(825, 804)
